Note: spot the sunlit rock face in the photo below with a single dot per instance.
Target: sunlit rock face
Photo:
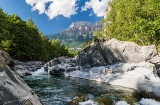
(121, 63)
(118, 63)
(13, 90)
(81, 28)
(110, 51)
(78, 29)
(122, 51)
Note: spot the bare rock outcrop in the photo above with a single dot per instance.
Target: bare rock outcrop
(13, 90)
(110, 51)
(122, 51)
(139, 69)
(139, 76)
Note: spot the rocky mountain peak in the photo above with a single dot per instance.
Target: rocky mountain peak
(83, 28)
(81, 31)
(81, 23)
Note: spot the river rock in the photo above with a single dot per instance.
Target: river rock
(55, 70)
(54, 62)
(60, 69)
(25, 68)
(121, 63)
(31, 65)
(13, 90)
(139, 76)
(58, 66)
(110, 51)
(123, 51)
(92, 55)
(5, 57)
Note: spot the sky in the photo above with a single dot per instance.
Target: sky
(52, 16)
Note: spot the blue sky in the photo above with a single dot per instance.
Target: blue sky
(52, 16)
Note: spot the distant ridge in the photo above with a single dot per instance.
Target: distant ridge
(77, 34)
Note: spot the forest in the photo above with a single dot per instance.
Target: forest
(24, 42)
(133, 20)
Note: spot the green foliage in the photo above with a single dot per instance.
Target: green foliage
(23, 41)
(73, 44)
(134, 20)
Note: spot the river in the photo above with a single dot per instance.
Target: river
(60, 90)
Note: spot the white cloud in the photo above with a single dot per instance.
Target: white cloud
(98, 6)
(90, 14)
(56, 7)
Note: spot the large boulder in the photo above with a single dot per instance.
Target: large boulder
(60, 65)
(92, 55)
(122, 51)
(13, 90)
(61, 69)
(110, 51)
(53, 62)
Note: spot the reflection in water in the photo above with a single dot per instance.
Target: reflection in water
(59, 90)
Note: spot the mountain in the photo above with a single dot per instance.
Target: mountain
(77, 34)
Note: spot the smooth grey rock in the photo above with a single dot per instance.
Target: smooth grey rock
(13, 90)
(60, 61)
(110, 51)
(54, 62)
(5, 57)
(57, 71)
(60, 69)
(24, 68)
(123, 51)
(91, 56)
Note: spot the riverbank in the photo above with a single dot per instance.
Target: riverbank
(13, 90)
(116, 63)
(139, 76)
(25, 68)
(61, 90)
(55, 90)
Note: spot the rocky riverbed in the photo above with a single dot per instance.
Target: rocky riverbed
(25, 68)
(110, 61)
(61, 90)
(114, 62)
(13, 90)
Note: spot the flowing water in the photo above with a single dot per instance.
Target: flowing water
(60, 90)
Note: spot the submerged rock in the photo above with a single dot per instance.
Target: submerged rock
(114, 95)
(13, 90)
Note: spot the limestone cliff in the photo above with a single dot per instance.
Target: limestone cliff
(79, 31)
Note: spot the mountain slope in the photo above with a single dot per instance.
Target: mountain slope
(77, 34)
